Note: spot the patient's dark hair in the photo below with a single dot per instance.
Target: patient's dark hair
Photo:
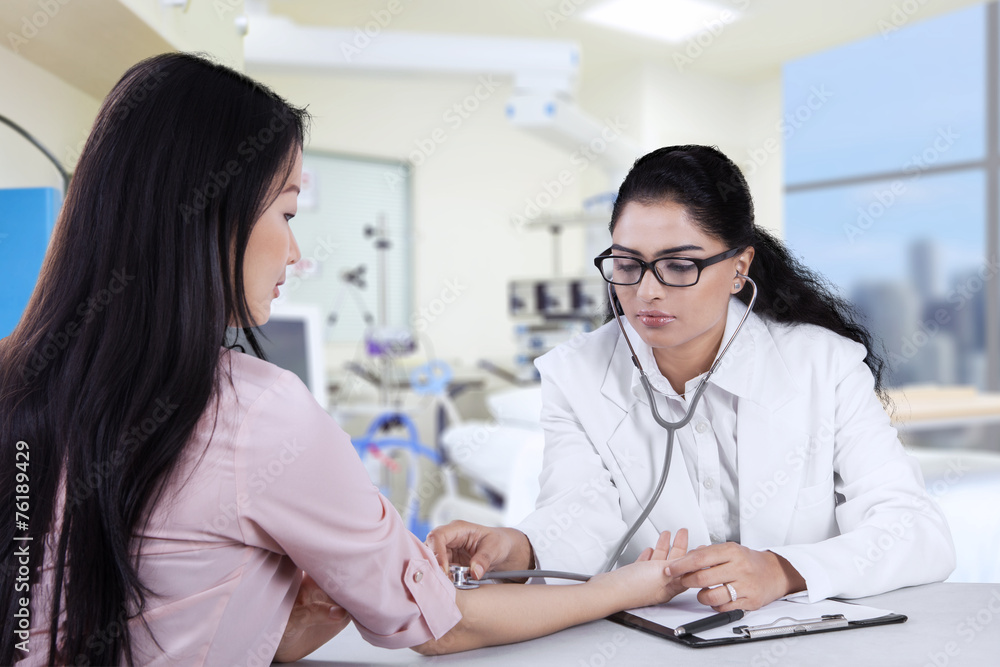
(712, 189)
(116, 357)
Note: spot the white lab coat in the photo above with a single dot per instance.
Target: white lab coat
(823, 479)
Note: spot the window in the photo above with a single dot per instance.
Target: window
(891, 186)
(354, 232)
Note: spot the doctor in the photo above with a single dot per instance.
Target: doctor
(789, 475)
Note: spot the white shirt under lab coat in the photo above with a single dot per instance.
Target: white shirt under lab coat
(820, 475)
(707, 445)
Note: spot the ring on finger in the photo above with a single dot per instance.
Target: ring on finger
(732, 592)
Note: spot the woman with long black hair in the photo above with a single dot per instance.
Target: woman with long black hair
(788, 476)
(181, 502)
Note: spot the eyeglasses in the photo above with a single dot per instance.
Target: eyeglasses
(670, 271)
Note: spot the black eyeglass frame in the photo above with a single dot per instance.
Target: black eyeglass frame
(700, 264)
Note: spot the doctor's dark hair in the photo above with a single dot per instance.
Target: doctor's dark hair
(117, 355)
(712, 189)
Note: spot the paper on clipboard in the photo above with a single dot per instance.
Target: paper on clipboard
(685, 608)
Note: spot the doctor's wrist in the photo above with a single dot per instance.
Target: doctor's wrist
(792, 581)
(523, 553)
(515, 553)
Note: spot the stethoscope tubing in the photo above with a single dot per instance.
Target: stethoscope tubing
(670, 427)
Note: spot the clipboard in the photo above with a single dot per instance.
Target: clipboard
(782, 618)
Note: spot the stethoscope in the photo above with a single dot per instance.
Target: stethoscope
(460, 573)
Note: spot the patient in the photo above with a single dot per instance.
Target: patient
(191, 504)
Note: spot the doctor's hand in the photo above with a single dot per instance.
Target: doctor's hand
(314, 620)
(482, 548)
(757, 577)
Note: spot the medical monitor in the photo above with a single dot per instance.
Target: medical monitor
(293, 339)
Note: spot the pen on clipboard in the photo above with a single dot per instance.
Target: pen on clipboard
(710, 622)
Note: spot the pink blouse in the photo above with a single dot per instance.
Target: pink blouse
(279, 489)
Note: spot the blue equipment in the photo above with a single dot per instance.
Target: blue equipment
(371, 444)
(27, 216)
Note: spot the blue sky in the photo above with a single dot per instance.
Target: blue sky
(888, 99)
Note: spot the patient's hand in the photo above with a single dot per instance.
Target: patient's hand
(648, 581)
(314, 620)
(665, 551)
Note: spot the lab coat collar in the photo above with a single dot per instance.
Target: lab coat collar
(752, 368)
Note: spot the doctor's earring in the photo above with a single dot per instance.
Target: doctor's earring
(737, 287)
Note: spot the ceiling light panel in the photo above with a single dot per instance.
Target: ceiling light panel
(665, 20)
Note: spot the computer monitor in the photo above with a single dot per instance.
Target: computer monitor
(293, 339)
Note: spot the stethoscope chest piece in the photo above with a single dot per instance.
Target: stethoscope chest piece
(460, 577)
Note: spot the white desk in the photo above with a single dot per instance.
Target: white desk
(949, 625)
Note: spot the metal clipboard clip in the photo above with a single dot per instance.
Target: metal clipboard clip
(796, 627)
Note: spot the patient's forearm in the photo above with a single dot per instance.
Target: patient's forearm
(506, 613)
